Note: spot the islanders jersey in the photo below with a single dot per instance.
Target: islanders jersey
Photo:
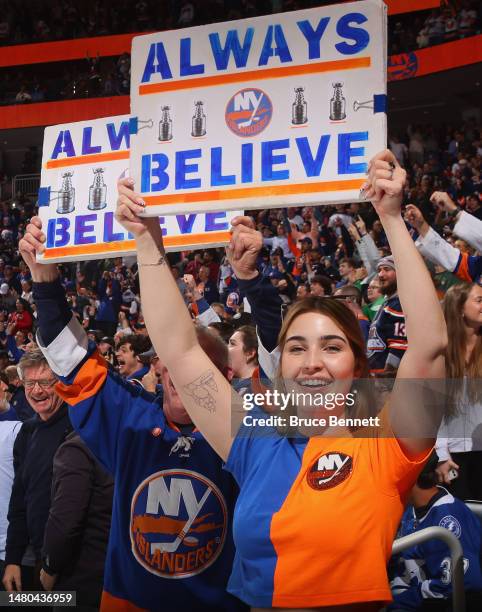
(170, 546)
(316, 518)
(387, 339)
(424, 571)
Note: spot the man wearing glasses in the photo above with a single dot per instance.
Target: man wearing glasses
(34, 450)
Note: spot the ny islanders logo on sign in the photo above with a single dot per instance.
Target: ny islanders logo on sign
(329, 471)
(248, 112)
(178, 523)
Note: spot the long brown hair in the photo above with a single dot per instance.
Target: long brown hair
(344, 318)
(456, 365)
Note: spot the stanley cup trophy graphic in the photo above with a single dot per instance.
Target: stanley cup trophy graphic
(337, 103)
(165, 125)
(66, 195)
(299, 110)
(98, 191)
(198, 121)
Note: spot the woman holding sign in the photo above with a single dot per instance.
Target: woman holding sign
(316, 515)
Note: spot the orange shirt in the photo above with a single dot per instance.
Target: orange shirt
(315, 521)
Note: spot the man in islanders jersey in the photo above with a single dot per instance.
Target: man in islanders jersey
(170, 545)
(387, 340)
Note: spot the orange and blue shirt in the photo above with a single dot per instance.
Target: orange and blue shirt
(316, 517)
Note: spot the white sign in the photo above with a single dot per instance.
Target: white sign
(81, 164)
(265, 112)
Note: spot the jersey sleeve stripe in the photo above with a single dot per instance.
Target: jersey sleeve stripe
(87, 382)
(462, 269)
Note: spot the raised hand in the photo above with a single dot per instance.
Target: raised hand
(384, 184)
(360, 225)
(413, 215)
(443, 201)
(244, 248)
(192, 287)
(129, 206)
(33, 242)
(353, 231)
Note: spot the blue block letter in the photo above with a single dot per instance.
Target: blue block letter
(346, 152)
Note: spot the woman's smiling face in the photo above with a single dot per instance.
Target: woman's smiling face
(317, 357)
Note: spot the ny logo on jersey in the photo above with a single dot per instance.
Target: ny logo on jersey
(178, 523)
(330, 470)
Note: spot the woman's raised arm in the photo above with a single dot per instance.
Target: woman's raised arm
(424, 321)
(205, 392)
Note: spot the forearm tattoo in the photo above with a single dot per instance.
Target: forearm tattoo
(201, 390)
(161, 261)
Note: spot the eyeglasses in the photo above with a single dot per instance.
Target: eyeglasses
(43, 384)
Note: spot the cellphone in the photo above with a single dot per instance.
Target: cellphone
(453, 474)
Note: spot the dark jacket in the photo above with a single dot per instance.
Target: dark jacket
(33, 454)
(20, 404)
(77, 529)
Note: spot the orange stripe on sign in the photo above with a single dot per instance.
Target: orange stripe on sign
(86, 159)
(253, 192)
(256, 75)
(130, 245)
(88, 381)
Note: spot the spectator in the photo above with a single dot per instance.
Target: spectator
(303, 291)
(347, 270)
(34, 450)
(27, 291)
(23, 95)
(374, 298)
(7, 298)
(320, 286)
(352, 298)
(21, 319)
(170, 459)
(399, 149)
(7, 413)
(223, 329)
(18, 398)
(459, 441)
(206, 286)
(16, 344)
(387, 340)
(106, 349)
(208, 397)
(466, 267)
(77, 530)
(424, 571)
(243, 357)
(127, 354)
(109, 304)
(8, 432)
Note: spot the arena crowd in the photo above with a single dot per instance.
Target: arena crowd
(128, 472)
(64, 515)
(110, 76)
